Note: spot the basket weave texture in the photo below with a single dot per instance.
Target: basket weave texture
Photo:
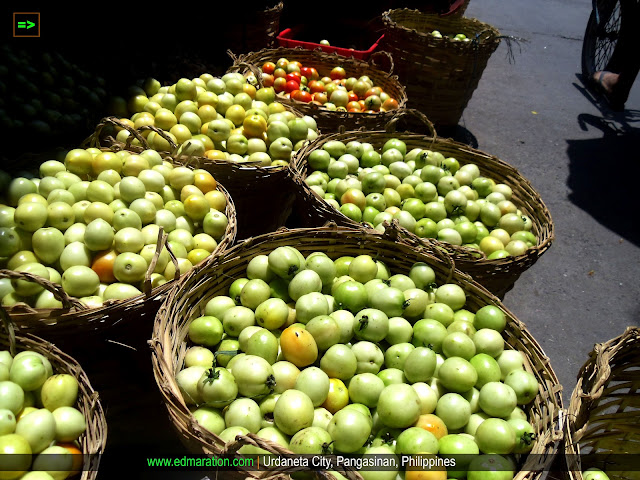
(188, 299)
(258, 30)
(603, 412)
(440, 74)
(327, 120)
(93, 441)
(499, 275)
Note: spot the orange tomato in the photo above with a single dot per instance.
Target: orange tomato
(352, 96)
(204, 181)
(320, 97)
(390, 104)
(354, 107)
(103, 265)
(267, 79)
(373, 91)
(76, 465)
(298, 346)
(432, 423)
(268, 67)
(338, 396)
(249, 90)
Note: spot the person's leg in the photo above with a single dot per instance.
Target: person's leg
(617, 84)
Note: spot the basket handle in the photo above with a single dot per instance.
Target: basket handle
(160, 132)
(57, 291)
(391, 125)
(94, 138)
(384, 64)
(239, 63)
(161, 243)
(9, 326)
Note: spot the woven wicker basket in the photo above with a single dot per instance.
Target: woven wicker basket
(603, 413)
(498, 276)
(327, 120)
(93, 441)
(440, 74)
(74, 317)
(247, 183)
(258, 30)
(208, 280)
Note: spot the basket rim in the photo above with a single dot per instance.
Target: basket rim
(391, 24)
(169, 315)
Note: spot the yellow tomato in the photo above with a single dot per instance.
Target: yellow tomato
(236, 114)
(216, 200)
(249, 90)
(105, 161)
(338, 396)
(215, 155)
(196, 207)
(204, 181)
(254, 126)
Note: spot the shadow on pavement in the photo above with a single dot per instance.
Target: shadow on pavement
(603, 172)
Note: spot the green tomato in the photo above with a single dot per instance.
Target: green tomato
(80, 281)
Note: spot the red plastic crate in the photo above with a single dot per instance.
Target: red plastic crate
(285, 39)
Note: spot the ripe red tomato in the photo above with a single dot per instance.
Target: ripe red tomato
(301, 96)
(352, 97)
(279, 84)
(337, 73)
(291, 85)
(268, 67)
(306, 72)
(295, 76)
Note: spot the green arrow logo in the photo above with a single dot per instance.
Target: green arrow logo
(28, 24)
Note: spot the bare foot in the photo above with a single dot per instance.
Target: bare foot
(607, 80)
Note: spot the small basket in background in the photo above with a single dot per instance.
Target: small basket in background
(440, 74)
